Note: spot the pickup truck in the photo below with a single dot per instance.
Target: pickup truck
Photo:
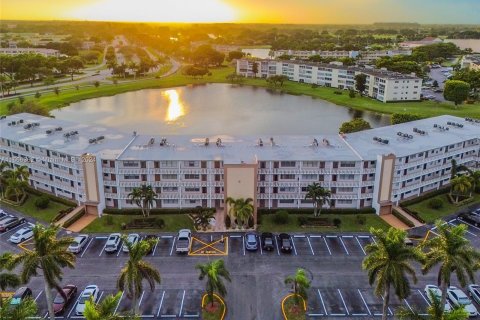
(184, 241)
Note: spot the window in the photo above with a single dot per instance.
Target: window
(346, 177)
(286, 201)
(347, 164)
(192, 176)
(309, 176)
(287, 176)
(192, 189)
(168, 164)
(344, 189)
(170, 201)
(130, 163)
(344, 201)
(132, 177)
(169, 176)
(190, 164)
(310, 164)
(287, 163)
(287, 189)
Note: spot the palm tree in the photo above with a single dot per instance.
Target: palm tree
(214, 271)
(201, 217)
(452, 252)
(15, 187)
(388, 264)
(319, 196)
(300, 284)
(136, 270)
(105, 309)
(133, 66)
(23, 311)
(7, 279)
(242, 209)
(144, 197)
(475, 179)
(50, 256)
(460, 185)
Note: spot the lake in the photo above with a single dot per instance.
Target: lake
(215, 109)
(463, 44)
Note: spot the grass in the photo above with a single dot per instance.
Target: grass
(292, 311)
(29, 209)
(217, 315)
(430, 215)
(348, 224)
(173, 223)
(425, 108)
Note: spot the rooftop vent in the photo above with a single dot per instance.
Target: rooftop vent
(163, 142)
(454, 124)
(93, 140)
(151, 142)
(13, 123)
(3, 117)
(421, 132)
(219, 142)
(100, 138)
(28, 126)
(405, 135)
(471, 120)
(326, 142)
(380, 140)
(20, 121)
(70, 134)
(272, 142)
(260, 142)
(207, 142)
(441, 128)
(49, 131)
(58, 129)
(315, 142)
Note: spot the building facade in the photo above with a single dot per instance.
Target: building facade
(373, 168)
(43, 51)
(382, 85)
(471, 62)
(363, 57)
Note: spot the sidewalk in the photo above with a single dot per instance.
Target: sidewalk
(82, 223)
(409, 217)
(394, 221)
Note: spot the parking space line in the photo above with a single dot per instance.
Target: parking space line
(323, 303)
(161, 303)
(141, 298)
(331, 236)
(344, 247)
(363, 237)
(260, 245)
(294, 249)
(211, 238)
(101, 238)
(38, 296)
(173, 244)
(181, 304)
(426, 300)
(361, 247)
(311, 248)
(74, 306)
(471, 225)
(243, 245)
(155, 248)
(389, 310)
(102, 249)
(120, 246)
(166, 237)
(343, 301)
(470, 233)
(86, 248)
(118, 304)
(276, 244)
(347, 237)
(298, 236)
(314, 236)
(408, 304)
(364, 302)
(235, 236)
(100, 297)
(328, 248)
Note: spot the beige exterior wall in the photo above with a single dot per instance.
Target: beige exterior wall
(91, 178)
(241, 182)
(386, 179)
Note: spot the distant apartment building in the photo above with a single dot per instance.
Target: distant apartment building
(383, 85)
(363, 56)
(98, 167)
(43, 51)
(470, 61)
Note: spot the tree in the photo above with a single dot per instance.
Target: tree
(7, 279)
(361, 83)
(277, 80)
(194, 71)
(96, 84)
(452, 253)
(105, 309)
(355, 125)
(29, 107)
(235, 55)
(38, 94)
(460, 185)
(475, 179)
(23, 311)
(241, 209)
(50, 257)
(206, 56)
(456, 91)
(300, 284)
(470, 76)
(388, 264)
(255, 68)
(73, 65)
(235, 78)
(144, 197)
(16, 182)
(214, 271)
(319, 196)
(136, 270)
(202, 216)
(56, 90)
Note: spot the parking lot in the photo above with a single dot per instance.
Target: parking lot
(339, 287)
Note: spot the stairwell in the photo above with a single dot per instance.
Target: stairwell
(394, 221)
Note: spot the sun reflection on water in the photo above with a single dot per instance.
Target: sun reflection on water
(175, 107)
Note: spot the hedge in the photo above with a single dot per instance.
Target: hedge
(424, 197)
(133, 212)
(74, 219)
(264, 211)
(52, 197)
(462, 202)
(414, 214)
(402, 218)
(62, 213)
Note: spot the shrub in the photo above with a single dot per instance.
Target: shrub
(160, 223)
(337, 222)
(314, 85)
(266, 211)
(228, 222)
(42, 202)
(338, 92)
(302, 221)
(361, 220)
(251, 222)
(123, 226)
(351, 93)
(355, 125)
(435, 203)
(281, 217)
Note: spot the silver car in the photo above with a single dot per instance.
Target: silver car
(113, 243)
(133, 238)
(251, 242)
(79, 243)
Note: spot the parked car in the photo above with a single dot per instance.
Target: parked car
(267, 241)
(10, 222)
(432, 292)
(458, 298)
(151, 237)
(79, 243)
(470, 218)
(21, 235)
(113, 243)
(90, 291)
(132, 238)
(3, 214)
(184, 241)
(476, 212)
(59, 303)
(21, 294)
(251, 243)
(285, 242)
(474, 292)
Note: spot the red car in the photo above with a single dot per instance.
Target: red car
(59, 303)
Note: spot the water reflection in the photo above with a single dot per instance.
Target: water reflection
(175, 107)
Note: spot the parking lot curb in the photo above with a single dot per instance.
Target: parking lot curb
(216, 296)
(285, 299)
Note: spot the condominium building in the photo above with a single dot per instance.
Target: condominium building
(99, 167)
(471, 61)
(43, 51)
(362, 57)
(383, 85)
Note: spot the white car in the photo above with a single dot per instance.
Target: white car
(79, 243)
(113, 243)
(133, 238)
(432, 292)
(21, 235)
(474, 292)
(90, 291)
(458, 298)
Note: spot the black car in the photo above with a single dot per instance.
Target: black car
(470, 218)
(267, 241)
(10, 222)
(285, 242)
(20, 295)
(151, 237)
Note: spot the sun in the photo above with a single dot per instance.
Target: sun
(156, 11)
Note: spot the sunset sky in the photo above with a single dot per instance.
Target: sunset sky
(265, 11)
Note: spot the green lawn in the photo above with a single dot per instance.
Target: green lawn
(425, 108)
(349, 223)
(430, 215)
(29, 209)
(173, 223)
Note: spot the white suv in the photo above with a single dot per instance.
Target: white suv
(90, 291)
(21, 235)
(458, 298)
(113, 243)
